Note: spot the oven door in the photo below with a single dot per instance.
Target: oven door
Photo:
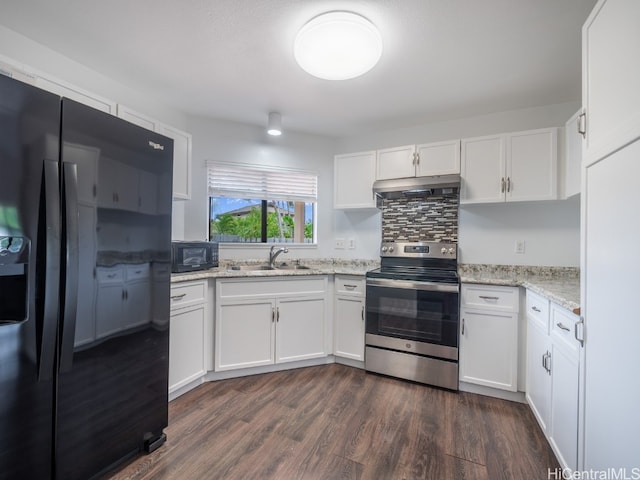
(423, 312)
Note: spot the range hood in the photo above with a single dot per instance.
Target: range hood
(417, 186)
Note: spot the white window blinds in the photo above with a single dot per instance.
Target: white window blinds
(258, 182)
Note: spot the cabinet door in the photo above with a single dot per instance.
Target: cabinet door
(148, 193)
(398, 162)
(244, 334)
(109, 309)
(482, 169)
(300, 329)
(181, 160)
(136, 118)
(565, 372)
(137, 304)
(532, 165)
(117, 185)
(186, 346)
(86, 158)
(349, 328)
(489, 349)
(442, 158)
(610, 77)
(354, 175)
(538, 389)
(79, 95)
(86, 313)
(572, 157)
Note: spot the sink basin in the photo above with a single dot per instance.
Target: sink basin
(292, 267)
(249, 268)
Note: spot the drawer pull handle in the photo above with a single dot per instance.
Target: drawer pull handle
(362, 314)
(350, 287)
(536, 309)
(178, 297)
(485, 297)
(111, 275)
(562, 327)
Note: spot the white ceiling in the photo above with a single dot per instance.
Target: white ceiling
(233, 59)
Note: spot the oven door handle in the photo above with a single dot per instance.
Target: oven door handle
(408, 285)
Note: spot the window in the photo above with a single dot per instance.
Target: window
(250, 204)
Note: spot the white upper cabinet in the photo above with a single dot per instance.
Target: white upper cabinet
(572, 157)
(181, 149)
(610, 77)
(353, 176)
(181, 161)
(441, 158)
(513, 167)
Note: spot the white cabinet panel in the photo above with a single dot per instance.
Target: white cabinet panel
(572, 157)
(244, 334)
(397, 162)
(349, 327)
(182, 145)
(137, 118)
(538, 376)
(441, 158)
(489, 336)
(482, 170)
(610, 77)
(300, 327)
(532, 165)
(186, 346)
(354, 175)
(514, 167)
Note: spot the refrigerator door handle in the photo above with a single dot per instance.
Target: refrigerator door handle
(71, 254)
(50, 236)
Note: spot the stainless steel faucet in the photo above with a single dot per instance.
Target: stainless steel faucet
(273, 254)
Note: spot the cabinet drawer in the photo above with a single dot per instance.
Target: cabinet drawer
(110, 275)
(563, 325)
(188, 293)
(485, 297)
(538, 309)
(138, 272)
(349, 286)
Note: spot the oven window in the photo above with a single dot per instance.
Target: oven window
(413, 314)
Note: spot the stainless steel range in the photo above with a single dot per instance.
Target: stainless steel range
(412, 313)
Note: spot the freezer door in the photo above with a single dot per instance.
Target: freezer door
(29, 277)
(113, 371)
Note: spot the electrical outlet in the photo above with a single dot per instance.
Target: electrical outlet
(340, 243)
(519, 248)
(351, 243)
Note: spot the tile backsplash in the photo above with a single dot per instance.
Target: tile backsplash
(412, 219)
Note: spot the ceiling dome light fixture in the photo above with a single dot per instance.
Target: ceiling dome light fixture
(338, 46)
(274, 127)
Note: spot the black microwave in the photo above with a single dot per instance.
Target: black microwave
(191, 256)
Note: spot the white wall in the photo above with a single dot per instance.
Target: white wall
(231, 142)
(487, 233)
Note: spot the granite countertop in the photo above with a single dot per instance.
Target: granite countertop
(561, 285)
(316, 267)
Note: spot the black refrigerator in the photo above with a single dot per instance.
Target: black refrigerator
(85, 234)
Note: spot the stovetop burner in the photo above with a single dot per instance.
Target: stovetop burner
(418, 261)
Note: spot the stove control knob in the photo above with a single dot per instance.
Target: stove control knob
(384, 249)
(391, 248)
(443, 251)
(451, 250)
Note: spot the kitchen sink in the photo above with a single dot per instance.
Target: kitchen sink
(250, 268)
(292, 267)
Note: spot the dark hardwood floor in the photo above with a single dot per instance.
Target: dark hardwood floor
(336, 422)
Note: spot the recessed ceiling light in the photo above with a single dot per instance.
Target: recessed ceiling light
(338, 46)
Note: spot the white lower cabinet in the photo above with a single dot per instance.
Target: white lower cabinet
(489, 336)
(349, 327)
(188, 333)
(553, 373)
(264, 322)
